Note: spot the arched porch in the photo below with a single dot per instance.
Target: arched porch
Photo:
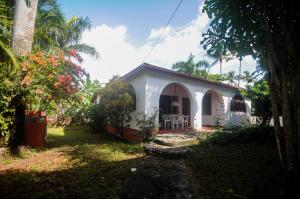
(175, 108)
(212, 109)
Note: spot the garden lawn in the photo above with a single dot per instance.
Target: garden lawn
(236, 168)
(74, 164)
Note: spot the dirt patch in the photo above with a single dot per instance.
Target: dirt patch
(34, 161)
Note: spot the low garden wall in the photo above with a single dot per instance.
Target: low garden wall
(129, 134)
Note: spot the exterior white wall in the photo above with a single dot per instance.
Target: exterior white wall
(149, 86)
(139, 85)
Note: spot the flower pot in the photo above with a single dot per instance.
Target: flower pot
(35, 128)
(151, 132)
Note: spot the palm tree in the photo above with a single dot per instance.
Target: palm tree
(230, 77)
(6, 55)
(240, 71)
(219, 56)
(49, 23)
(23, 27)
(72, 32)
(198, 69)
(55, 31)
(248, 78)
(187, 67)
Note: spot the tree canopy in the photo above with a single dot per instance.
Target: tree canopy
(267, 30)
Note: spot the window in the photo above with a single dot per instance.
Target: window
(206, 104)
(238, 104)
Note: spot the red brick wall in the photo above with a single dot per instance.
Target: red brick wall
(129, 134)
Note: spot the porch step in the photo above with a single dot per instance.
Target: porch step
(177, 139)
(167, 151)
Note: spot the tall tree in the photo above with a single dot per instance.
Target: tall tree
(190, 67)
(55, 31)
(268, 30)
(23, 26)
(219, 55)
(230, 77)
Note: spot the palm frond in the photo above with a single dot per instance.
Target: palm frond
(203, 64)
(10, 55)
(75, 27)
(86, 49)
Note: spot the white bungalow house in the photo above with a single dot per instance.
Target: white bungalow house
(205, 103)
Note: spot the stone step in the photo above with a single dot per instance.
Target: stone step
(167, 151)
(177, 139)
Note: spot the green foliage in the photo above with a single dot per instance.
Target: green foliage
(237, 170)
(244, 134)
(6, 112)
(78, 110)
(53, 30)
(259, 94)
(190, 67)
(217, 77)
(97, 118)
(118, 100)
(147, 122)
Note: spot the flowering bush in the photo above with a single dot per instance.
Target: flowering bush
(52, 76)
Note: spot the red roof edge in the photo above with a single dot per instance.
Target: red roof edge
(150, 67)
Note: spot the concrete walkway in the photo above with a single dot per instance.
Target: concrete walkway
(162, 174)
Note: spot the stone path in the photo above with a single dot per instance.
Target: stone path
(159, 178)
(177, 139)
(162, 174)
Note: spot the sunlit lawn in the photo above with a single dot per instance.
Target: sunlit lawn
(74, 164)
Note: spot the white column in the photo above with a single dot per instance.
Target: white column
(197, 109)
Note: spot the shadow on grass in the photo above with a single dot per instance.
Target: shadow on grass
(79, 135)
(98, 167)
(230, 166)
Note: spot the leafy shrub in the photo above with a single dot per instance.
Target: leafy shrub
(245, 134)
(118, 100)
(147, 123)
(97, 118)
(6, 113)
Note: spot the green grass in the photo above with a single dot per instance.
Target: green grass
(236, 168)
(74, 164)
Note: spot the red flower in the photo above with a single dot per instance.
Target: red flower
(72, 52)
(27, 80)
(56, 84)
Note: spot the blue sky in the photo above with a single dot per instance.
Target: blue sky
(140, 16)
(124, 31)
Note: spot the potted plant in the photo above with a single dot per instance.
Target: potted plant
(45, 79)
(147, 124)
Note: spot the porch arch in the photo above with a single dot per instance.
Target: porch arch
(213, 111)
(176, 98)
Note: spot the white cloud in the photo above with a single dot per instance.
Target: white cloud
(118, 56)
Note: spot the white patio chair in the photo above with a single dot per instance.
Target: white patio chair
(175, 121)
(166, 120)
(186, 121)
(181, 121)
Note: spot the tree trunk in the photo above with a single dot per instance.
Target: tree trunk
(58, 117)
(240, 71)
(289, 130)
(21, 43)
(23, 27)
(220, 65)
